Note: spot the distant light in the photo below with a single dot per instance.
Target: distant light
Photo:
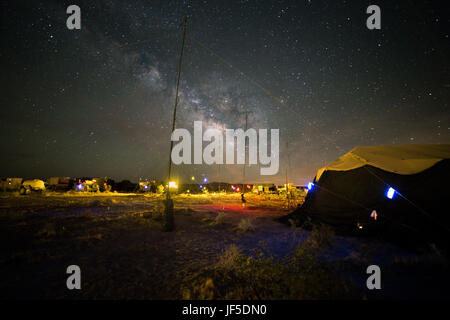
(248, 186)
(80, 187)
(145, 187)
(233, 187)
(238, 189)
(201, 186)
(390, 193)
(310, 186)
(192, 178)
(205, 180)
(173, 185)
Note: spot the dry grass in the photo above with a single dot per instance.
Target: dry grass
(123, 253)
(303, 274)
(219, 220)
(245, 225)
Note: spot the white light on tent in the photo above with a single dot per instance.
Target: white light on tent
(310, 185)
(390, 193)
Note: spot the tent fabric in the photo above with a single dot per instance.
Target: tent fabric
(402, 159)
(348, 190)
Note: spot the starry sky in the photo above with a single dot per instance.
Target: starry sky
(99, 101)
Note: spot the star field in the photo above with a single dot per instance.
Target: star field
(99, 101)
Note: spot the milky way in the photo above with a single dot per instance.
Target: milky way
(99, 101)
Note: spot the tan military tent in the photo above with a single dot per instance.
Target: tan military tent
(347, 191)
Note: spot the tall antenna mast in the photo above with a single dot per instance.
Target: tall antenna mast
(288, 168)
(168, 224)
(176, 96)
(245, 152)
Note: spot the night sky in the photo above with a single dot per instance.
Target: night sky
(99, 101)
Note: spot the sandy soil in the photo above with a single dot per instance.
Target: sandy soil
(117, 241)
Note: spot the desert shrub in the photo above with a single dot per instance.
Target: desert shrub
(245, 225)
(321, 237)
(219, 219)
(48, 230)
(228, 258)
(292, 223)
(203, 290)
(158, 211)
(306, 273)
(111, 201)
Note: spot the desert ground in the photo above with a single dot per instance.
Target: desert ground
(220, 249)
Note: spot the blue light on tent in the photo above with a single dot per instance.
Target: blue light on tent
(80, 186)
(201, 186)
(205, 180)
(145, 187)
(310, 186)
(390, 193)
